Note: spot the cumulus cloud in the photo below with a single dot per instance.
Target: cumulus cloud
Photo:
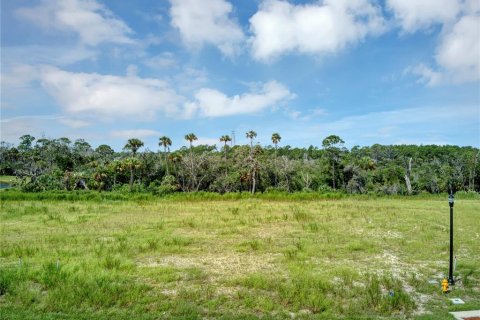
(457, 55)
(207, 22)
(459, 50)
(324, 27)
(471, 6)
(213, 103)
(414, 15)
(91, 21)
(109, 96)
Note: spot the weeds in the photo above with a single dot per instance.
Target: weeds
(254, 244)
(111, 262)
(300, 215)
(313, 227)
(291, 253)
(230, 256)
(387, 295)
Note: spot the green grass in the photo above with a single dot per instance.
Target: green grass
(187, 257)
(7, 179)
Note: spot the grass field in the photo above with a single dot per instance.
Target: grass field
(351, 258)
(7, 179)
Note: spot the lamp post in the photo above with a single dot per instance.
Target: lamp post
(450, 268)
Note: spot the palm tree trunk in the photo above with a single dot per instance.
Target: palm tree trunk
(254, 181)
(407, 176)
(131, 179)
(166, 160)
(275, 165)
(333, 174)
(192, 170)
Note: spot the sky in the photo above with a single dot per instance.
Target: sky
(387, 72)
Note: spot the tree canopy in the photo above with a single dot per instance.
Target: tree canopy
(51, 164)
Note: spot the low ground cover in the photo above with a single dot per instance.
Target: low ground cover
(144, 258)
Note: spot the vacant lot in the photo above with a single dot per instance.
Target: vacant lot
(348, 259)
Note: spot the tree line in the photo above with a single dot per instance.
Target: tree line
(60, 164)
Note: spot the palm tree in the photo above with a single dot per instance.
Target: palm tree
(190, 138)
(166, 142)
(133, 145)
(332, 145)
(225, 139)
(175, 158)
(132, 164)
(251, 135)
(115, 166)
(276, 139)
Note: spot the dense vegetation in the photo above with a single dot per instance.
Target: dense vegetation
(60, 164)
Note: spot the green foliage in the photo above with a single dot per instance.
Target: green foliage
(386, 295)
(56, 164)
(7, 279)
(45, 182)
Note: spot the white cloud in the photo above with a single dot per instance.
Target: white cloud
(471, 6)
(201, 22)
(426, 75)
(19, 76)
(413, 15)
(134, 133)
(280, 27)
(457, 54)
(53, 54)
(213, 103)
(109, 96)
(91, 21)
(459, 51)
(161, 61)
(190, 79)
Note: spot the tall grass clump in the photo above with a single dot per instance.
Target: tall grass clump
(304, 291)
(386, 295)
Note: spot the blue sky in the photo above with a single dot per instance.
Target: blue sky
(388, 72)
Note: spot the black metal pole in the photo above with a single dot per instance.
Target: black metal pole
(450, 268)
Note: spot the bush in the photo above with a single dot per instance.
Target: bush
(44, 182)
(167, 186)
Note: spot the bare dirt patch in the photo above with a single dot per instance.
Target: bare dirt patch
(219, 265)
